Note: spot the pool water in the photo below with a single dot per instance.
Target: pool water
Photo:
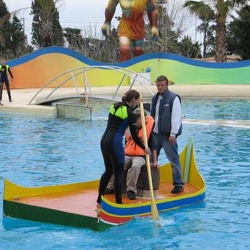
(38, 151)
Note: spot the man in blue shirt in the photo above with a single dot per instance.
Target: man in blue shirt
(166, 110)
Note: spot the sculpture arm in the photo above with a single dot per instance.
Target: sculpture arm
(109, 13)
(152, 16)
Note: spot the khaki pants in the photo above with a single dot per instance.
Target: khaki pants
(133, 165)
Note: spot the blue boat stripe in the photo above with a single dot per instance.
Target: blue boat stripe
(139, 210)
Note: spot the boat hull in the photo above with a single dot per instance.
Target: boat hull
(75, 204)
(46, 215)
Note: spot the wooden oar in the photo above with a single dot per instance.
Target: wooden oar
(154, 210)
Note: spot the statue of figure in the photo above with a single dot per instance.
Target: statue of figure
(131, 29)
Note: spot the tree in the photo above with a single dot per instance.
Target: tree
(92, 47)
(12, 38)
(219, 10)
(173, 21)
(239, 34)
(206, 15)
(73, 38)
(109, 49)
(17, 41)
(188, 49)
(4, 22)
(46, 28)
(208, 38)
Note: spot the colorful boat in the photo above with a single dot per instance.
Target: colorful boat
(75, 204)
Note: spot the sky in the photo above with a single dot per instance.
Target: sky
(72, 13)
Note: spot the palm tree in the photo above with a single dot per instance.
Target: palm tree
(45, 9)
(205, 13)
(3, 20)
(219, 10)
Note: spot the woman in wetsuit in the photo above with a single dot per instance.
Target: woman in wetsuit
(120, 117)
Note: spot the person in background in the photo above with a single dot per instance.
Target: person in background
(166, 110)
(5, 69)
(120, 117)
(0, 90)
(135, 157)
(132, 26)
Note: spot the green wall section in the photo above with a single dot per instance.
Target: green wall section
(187, 74)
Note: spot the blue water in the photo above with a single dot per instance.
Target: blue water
(37, 151)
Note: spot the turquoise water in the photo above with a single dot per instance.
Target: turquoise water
(42, 151)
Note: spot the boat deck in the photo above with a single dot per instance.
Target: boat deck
(83, 202)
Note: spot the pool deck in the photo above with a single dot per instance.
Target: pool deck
(22, 97)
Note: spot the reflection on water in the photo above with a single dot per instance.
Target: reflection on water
(39, 151)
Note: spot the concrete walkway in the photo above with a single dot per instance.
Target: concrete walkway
(22, 97)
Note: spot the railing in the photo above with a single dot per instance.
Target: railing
(73, 73)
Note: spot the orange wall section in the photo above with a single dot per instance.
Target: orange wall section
(37, 72)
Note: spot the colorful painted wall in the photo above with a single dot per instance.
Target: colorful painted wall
(38, 68)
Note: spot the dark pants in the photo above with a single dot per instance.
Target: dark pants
(7, 85)
(114, 158)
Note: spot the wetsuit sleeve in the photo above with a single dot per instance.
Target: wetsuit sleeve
(151, 142)
(10, 73)
(133, 129)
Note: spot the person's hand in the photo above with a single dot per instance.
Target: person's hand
(147, 151)
(155, 165)
(106, 29)
(154, 34)
(172, 139)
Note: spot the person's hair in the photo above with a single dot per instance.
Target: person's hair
(162, 78)
(138, 114)
(128, 96)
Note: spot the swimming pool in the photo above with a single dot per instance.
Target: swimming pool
(39, 151)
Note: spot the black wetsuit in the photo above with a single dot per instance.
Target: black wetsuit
(4, 80)
(113, 149)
